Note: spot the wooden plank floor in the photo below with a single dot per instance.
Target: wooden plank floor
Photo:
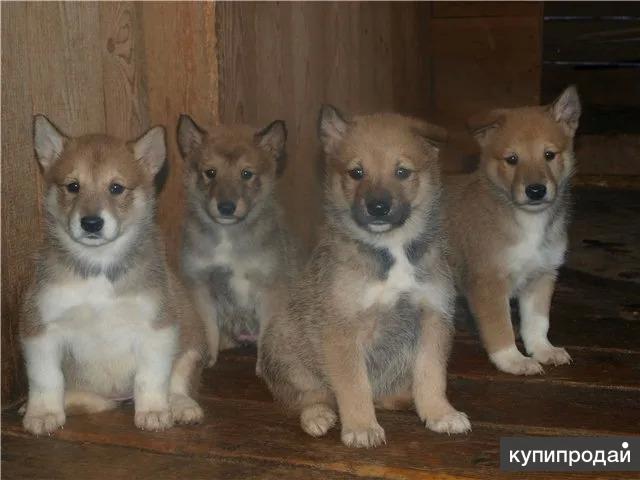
(596, 315)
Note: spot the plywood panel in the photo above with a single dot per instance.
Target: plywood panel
(181, 77)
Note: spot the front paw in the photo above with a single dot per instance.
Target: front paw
(153, 420)
(510, 360)
(316, 420)
(363, 437)
(185, 410)
(43, 422)
(550, 355)
(453, 422)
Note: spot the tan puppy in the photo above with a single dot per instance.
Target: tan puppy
(507, 226)
(105, 320)
(237, 255)
(370, 318)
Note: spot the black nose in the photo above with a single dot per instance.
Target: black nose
(227, 208)
(378, 208)
(91, 224)
(536, 191)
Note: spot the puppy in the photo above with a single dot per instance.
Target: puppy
(237, 254)
(370, 318)
(507, 226)
(105, 320)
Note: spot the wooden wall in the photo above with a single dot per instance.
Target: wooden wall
(283, 60)
(91, 67)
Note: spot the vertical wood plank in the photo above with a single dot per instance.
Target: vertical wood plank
(20, 216)
(181, 77)
(121, 45)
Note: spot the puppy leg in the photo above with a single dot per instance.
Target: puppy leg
(184, 380)
(80, 403)
(45, 405)
(154, 357)
(347, 373)
(535, 301)
(430, 377)
(489, 301)
(206, 310)
(317, 415)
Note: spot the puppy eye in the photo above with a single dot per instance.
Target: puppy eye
(356, 173)
(403, 173)
(210, 173)
(511, 159)
(246, 174)
(73, 187)
(549, 155)
(116, 189)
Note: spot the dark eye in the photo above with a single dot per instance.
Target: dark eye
(73, 187)
(116, 189)
(549, 155)
(356, 173)
(403, 173)
(511, 159)
(210, 173)
(246, 174)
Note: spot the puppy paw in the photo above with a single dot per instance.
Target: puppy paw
(510, 360)
(185, 410)
(550, 355)
(454, 422)
(43, 422)
(363, 437)
(316, 420)
(153, 420)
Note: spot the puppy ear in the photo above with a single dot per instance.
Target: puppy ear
(332, 127)
(272, 139)
(566, 109)
(48, 142)
(433, 136)
(151, 150)
(190, 135)
(483, 126)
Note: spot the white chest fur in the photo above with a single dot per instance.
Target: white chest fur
(400, 280)
(100, 329)
(538, 248)
(244, 268)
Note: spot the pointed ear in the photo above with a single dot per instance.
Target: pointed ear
(151, 150)
(272, 139)
(48, 142)
(566, 109)
(483, 126)
(190, 135)
(433, 136)
(332, 127)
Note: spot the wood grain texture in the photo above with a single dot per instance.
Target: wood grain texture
(181, 77)
(26, 457)
(20, 192)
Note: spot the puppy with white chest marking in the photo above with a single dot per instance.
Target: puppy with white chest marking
(507, 226)
(370, 318)
(238, 255)
(105, 319)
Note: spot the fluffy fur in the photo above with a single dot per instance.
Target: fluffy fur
(105, 320)
(505, 244)
(239, 263)
(370, 317)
